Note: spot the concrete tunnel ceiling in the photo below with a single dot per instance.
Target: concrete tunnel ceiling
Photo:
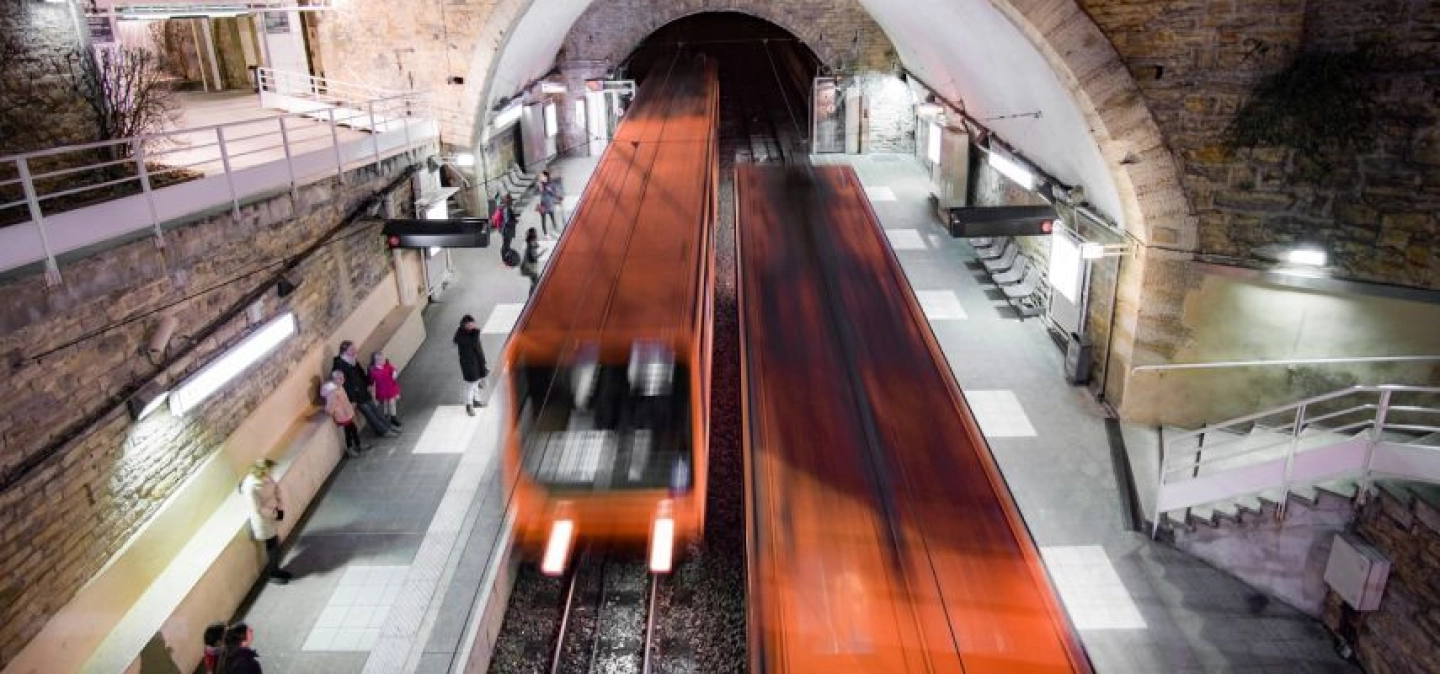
(967, 50)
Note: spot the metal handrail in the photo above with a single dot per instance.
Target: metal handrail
(79, 171)
(1290, 361)
(1185, 462)
(285, 82)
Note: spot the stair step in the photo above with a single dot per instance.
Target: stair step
(1405, 490)
(1332, 489)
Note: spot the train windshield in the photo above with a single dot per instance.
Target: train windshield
(602, 426)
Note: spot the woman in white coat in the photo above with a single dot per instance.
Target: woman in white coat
(263, 495)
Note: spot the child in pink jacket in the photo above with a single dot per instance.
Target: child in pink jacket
(387, 390)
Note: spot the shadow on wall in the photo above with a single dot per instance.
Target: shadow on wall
(156, 658)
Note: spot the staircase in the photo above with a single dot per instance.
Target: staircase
(1338, 443)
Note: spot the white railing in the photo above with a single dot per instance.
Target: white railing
(60, 200)
(303, 92)
(1359, 432)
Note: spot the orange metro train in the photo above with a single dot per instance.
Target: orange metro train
(608, 368)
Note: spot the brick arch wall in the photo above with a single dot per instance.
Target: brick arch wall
(1145, 171)
(841, 34)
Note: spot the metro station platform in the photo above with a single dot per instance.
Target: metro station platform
(394, 560)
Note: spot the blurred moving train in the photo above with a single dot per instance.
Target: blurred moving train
(881, 536)
(609, 366)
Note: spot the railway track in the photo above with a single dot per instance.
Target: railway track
(607, 622)
(703, 600)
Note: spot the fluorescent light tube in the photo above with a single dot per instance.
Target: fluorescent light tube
(1010, 168)
(209, 379)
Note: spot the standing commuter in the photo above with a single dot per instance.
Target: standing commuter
(473, 369)
(357, 387)
(266, 511)
(507, 228)
(530, 263)
(550, 199)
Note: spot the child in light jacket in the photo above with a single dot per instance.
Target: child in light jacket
(341, 411)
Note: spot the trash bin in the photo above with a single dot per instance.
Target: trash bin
(1078, 354)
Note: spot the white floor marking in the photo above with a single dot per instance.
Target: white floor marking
(880, 193)
(355, 613)
(402, 631)
(502, 319)
(1000, 414)
(940, 305)
(448, 432)
(1091, 589)
(905, 239)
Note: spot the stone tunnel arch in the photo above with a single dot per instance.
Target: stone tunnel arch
(866, 46)
(1147, 177)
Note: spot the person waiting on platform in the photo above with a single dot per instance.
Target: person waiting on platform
(507, 229)
(357, 386)
(473, 368)
(530, 263)
(552, 195)
(262, 494)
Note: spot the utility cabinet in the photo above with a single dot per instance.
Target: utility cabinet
(1357, 572)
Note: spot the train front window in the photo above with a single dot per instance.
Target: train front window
(601, 426)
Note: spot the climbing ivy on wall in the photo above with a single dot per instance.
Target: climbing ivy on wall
(1320, 103)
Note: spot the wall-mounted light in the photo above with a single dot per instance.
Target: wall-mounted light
(146, 400)
(1310, 257)
(928, 110)
(466, 159)
(209, 379)
(506, 117)
(552, 87)
(1010, 167)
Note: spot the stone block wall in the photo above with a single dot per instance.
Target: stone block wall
(889, 114)
(38, 108)
(1404, 634)
(75, 354)
(841, 34)
(1196, 63)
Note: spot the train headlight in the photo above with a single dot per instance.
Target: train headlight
(662, 540)
(557, 548)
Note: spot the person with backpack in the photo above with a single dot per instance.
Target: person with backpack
(530, 264)
(507, 231)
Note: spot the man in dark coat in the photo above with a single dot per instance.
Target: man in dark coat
(357, 388)
(237, 656)
(472, 362)
(507, 228)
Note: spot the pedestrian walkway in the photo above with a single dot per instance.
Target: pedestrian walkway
(391, 563)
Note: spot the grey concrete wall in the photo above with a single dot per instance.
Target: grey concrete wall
(1284, 559)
